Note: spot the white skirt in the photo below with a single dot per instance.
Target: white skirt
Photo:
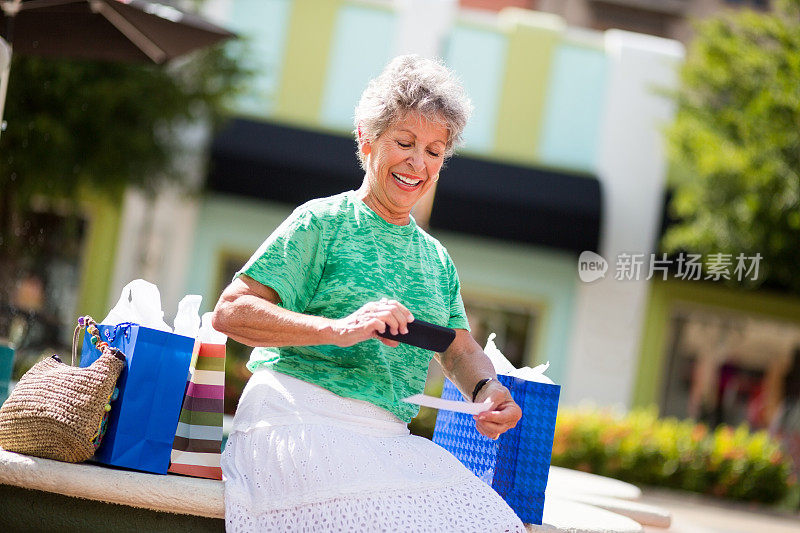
(301, 458)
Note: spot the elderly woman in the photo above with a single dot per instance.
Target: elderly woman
(319, 440)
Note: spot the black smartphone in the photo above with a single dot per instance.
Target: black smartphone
(424, 335)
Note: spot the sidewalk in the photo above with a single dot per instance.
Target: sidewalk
(693, 513)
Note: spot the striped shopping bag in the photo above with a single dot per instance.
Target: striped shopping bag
(198, 439)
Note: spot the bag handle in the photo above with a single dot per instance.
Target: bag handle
(91, 327)
(126, 326)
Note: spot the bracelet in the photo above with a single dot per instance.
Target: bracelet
(479, 386)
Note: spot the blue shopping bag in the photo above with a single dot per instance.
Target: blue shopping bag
(144, 418)
(517, 464)
(6, 368)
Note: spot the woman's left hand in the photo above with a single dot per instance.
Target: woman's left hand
(465, 364)
(504, 414)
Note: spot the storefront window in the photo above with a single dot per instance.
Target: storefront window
(731, 368)
(513, 323)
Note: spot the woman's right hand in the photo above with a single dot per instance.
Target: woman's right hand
(372, 318)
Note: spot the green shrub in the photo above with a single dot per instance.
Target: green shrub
(641, 448)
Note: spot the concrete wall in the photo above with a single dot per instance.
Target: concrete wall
(632, 168)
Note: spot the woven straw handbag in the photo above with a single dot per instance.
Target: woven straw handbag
(60, 411)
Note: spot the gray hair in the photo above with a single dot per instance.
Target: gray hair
(412, 83)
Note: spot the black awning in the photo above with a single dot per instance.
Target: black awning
(280, 163)
(291, 165)
(515, 203)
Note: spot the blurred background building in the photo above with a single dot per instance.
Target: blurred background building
(564, 153)
(665, 18)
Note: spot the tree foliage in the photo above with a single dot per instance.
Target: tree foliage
(105, 125)
(735, 143)
(76, 126)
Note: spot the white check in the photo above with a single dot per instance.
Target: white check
(449, 405)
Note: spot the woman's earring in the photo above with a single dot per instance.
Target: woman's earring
(436, 178)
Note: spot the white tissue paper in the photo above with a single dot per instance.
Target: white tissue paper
(140, 303)
(501, 364)
(208, 334)
(504, 366)
(187, 320)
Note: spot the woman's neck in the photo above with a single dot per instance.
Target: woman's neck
(368, 196)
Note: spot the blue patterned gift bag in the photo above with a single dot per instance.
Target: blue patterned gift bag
(516, 465)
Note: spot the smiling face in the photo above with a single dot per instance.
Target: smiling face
(401, 165)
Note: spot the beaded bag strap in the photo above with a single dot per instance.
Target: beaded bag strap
(90, 325)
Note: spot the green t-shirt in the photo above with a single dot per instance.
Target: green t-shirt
(330, 257)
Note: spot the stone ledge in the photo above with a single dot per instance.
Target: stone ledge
(564, 511)
(170, 493)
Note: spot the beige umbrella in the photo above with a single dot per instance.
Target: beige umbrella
(112, 30)
(115, 30)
